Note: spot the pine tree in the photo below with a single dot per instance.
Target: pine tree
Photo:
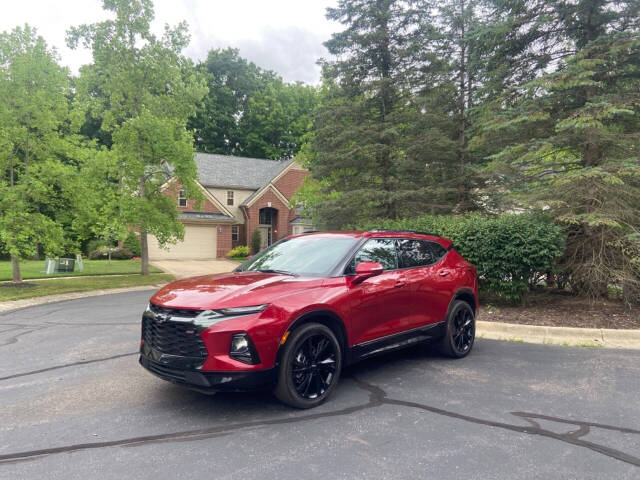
(358, 148)
(569, 139)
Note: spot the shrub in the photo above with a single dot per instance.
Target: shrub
(132, 243)
(102, 253)
(256, 241)
(510, 252)
(121, 254)
(239, 252)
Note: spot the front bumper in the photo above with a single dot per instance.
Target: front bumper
(211, 381)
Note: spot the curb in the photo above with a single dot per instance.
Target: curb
(571, 336)
(61, 297)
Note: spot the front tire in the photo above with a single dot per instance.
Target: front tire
(461, 330)
(310, 366)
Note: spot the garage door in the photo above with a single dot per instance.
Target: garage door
(199, 243)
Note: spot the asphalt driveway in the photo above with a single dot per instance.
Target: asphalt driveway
(192, 268)
(74, 404)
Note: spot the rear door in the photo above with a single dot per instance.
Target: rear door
(427, 278)
(376, 310)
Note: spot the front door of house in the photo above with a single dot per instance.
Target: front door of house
(265, 236)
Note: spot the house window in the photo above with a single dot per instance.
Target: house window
(182, 199)
(265, 216)
(235, 233)
(229, 197)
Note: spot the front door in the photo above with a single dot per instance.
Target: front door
(428, 289)
(265, 236)
(375, 310)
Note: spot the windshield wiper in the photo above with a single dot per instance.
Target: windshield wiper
(281, 272)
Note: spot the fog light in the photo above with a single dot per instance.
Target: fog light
(239, 344)
(242, 349)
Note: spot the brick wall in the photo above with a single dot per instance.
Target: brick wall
(254, 215)
(224, 239)
(290, 182)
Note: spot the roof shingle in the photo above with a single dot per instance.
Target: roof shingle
(240, 172)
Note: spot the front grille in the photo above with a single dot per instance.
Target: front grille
(173, 338)
(177, 312)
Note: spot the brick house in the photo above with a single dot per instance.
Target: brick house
(240, 195)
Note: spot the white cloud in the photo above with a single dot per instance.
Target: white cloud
(281, 35)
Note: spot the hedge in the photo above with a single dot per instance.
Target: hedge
(511, 252)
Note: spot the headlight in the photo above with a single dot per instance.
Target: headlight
(211, 317)
(243, 310)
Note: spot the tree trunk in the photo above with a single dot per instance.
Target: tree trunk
(144, 245)
(15, 266)
(144, 252)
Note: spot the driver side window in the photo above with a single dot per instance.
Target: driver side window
(381, 250)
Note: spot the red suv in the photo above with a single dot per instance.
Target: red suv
(295, 314)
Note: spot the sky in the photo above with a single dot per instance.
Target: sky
(281, 35)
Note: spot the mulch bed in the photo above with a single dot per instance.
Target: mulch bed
(558, 310)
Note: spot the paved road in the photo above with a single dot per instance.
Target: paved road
(74, 404)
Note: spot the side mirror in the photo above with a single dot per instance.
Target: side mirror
(366, 270)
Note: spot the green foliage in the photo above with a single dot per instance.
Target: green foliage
(276, 119)
(256, 241)
(142, 101)
(35, 185)
(510, 252)
(132, 243)
(569, 142)
(249, 111)
(238, 252)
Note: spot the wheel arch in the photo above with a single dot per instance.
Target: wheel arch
(466, 295)
(325, 317)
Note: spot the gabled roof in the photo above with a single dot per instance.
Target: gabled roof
(239, 172)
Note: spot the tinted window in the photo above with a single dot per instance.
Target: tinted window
(416, 253)
(308, 255)
(381, 250)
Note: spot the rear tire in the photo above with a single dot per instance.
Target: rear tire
(310, 366)
(460, 331)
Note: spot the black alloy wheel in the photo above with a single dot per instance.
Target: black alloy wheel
(310, 366)
(461, 330)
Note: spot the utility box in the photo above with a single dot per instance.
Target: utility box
(65, 265)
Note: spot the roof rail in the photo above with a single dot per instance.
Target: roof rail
(375, 230)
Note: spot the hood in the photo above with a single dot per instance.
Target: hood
(236, 289)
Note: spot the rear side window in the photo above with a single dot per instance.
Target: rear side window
(381, 250)
(419, 253)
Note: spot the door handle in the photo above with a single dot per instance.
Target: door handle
(400, 283)
(444, 273)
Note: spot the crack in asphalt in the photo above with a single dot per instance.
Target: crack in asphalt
(377, 397)
(14, 339)
(67, 365)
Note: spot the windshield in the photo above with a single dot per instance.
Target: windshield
(308, 255)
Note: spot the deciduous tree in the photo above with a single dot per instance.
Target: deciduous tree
(142, 91)
(33, 112)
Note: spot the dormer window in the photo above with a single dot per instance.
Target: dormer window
(182, 199)
(229, 197)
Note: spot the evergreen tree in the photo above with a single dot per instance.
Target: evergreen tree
(569, 139)
(358, 148)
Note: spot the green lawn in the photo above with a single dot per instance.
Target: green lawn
(34, 268)
(68, 285)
